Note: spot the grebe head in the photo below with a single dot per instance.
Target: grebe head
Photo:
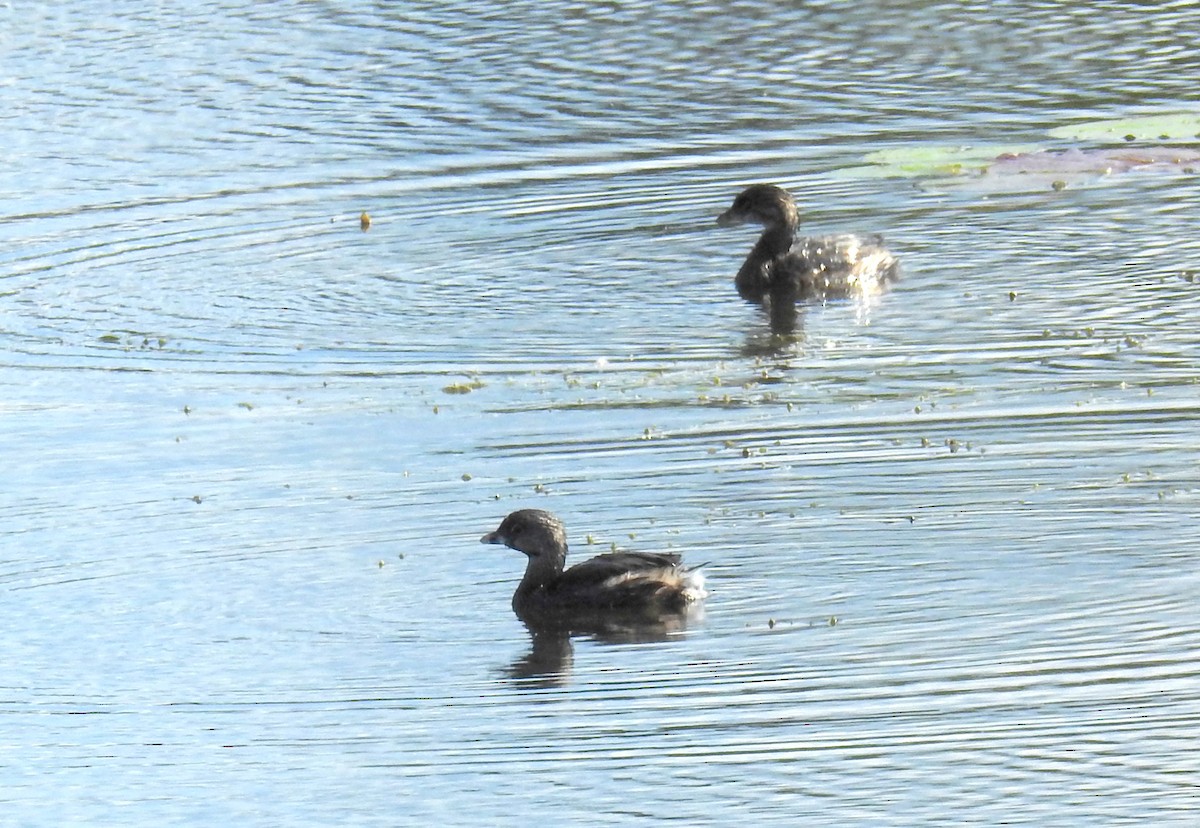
(772, 207)
(537, 533)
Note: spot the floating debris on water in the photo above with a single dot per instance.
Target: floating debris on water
(473, 384)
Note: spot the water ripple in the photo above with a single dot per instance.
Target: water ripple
(949, 533)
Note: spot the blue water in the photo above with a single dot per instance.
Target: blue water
(949, 533)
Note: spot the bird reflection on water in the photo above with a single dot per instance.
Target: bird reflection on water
(551, 652)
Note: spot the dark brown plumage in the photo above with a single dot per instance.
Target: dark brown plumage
(805, 268)
(623, 584)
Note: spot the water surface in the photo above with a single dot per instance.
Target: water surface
(950, 533)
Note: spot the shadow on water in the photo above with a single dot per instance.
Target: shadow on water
(551, 653)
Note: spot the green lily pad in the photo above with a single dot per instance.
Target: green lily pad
(939, 160)
(1179, 126)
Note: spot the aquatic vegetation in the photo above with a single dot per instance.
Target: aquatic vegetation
(1081, 161)
(473, 384)
(1176, 126)
(992, 166)
(132, 340)
(939, 161)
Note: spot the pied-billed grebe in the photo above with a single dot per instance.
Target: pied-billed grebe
(625, 584)
(817, 267)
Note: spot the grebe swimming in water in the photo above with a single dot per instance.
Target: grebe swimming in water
(804, 269)
(625, 585)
